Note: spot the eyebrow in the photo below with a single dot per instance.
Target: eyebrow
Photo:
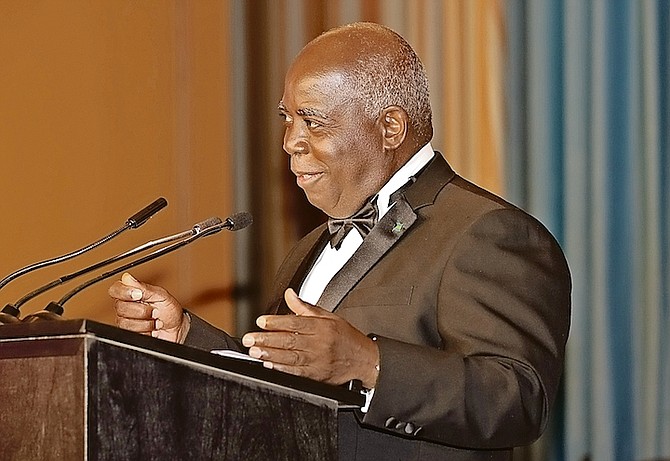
(306, 112)
(309, 112)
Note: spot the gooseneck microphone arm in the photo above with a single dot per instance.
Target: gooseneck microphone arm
(171, 238)
(233, 223)
(133, 222)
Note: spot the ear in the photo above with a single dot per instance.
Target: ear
(394, 124)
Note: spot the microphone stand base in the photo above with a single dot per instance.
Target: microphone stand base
(53, 311)
(9, 314)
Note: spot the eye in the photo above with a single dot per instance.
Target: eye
(286, 118)
(312, 124)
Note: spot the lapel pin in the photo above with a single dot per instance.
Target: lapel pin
(398, 228)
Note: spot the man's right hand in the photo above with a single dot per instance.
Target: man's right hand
(148, 309)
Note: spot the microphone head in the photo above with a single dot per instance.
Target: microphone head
(239, 220)
(145, 213)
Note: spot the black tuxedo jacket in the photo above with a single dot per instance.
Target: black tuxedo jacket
(468, 298)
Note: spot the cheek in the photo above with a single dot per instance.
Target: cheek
(359, 178)
(354, 168)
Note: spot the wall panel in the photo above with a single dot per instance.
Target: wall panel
(105, 106)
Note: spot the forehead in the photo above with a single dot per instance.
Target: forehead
(321, 89)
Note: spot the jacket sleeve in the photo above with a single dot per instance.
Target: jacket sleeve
(203, 335)
(502, 313)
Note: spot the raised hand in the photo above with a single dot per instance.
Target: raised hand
(148, 309)
(314, 343)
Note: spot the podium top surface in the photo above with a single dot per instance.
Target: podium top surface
(344, 397)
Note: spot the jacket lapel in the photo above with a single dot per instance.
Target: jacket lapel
(302, 269)
(388, 231)
(381, 238)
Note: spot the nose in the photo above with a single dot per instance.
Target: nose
(295, 141)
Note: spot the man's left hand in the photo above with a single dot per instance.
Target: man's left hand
(314, 343)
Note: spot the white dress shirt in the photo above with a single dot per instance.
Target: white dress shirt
(331, 260)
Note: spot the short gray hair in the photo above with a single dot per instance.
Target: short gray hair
(393, 77)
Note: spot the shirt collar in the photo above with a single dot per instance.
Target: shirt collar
(400, 177)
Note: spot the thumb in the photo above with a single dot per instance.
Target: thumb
(132, 282)
(300, 307)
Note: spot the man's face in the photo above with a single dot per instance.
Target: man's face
(336, 150)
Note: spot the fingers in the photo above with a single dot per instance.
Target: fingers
(147, 309)
(288, 323)
(128, 294)
(134, 316)
(304, 320)
(146, 326)
(282, 351)
(130, 289)
(313, 343)
(288, 362)
(275, 340)
(288, 332)
(133, 310)
(118, 290)
(290, 347)
(129, 280)
(127, 289)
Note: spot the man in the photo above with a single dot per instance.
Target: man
(453, 311)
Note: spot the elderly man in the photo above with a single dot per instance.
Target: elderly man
(450, 305)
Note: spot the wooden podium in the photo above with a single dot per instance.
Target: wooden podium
(82, 390)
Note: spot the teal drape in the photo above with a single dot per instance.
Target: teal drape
(587, 152)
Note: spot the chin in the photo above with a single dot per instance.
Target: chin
(316, 203)
(333, 211)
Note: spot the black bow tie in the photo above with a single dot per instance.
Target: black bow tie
(363, 221)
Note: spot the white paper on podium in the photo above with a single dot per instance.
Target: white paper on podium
(234, 355)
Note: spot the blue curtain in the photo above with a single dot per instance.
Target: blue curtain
(587, 152)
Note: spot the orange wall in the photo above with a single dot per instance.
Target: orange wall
(105, 106)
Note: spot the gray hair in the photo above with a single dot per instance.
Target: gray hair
(394, 76)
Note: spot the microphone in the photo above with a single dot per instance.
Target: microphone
(150, 244)
(145, 213)
(11, 315)
(235, 222)
(238, 221)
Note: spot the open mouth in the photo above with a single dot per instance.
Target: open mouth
(304, 179)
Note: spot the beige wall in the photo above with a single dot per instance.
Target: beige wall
(105, 106)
